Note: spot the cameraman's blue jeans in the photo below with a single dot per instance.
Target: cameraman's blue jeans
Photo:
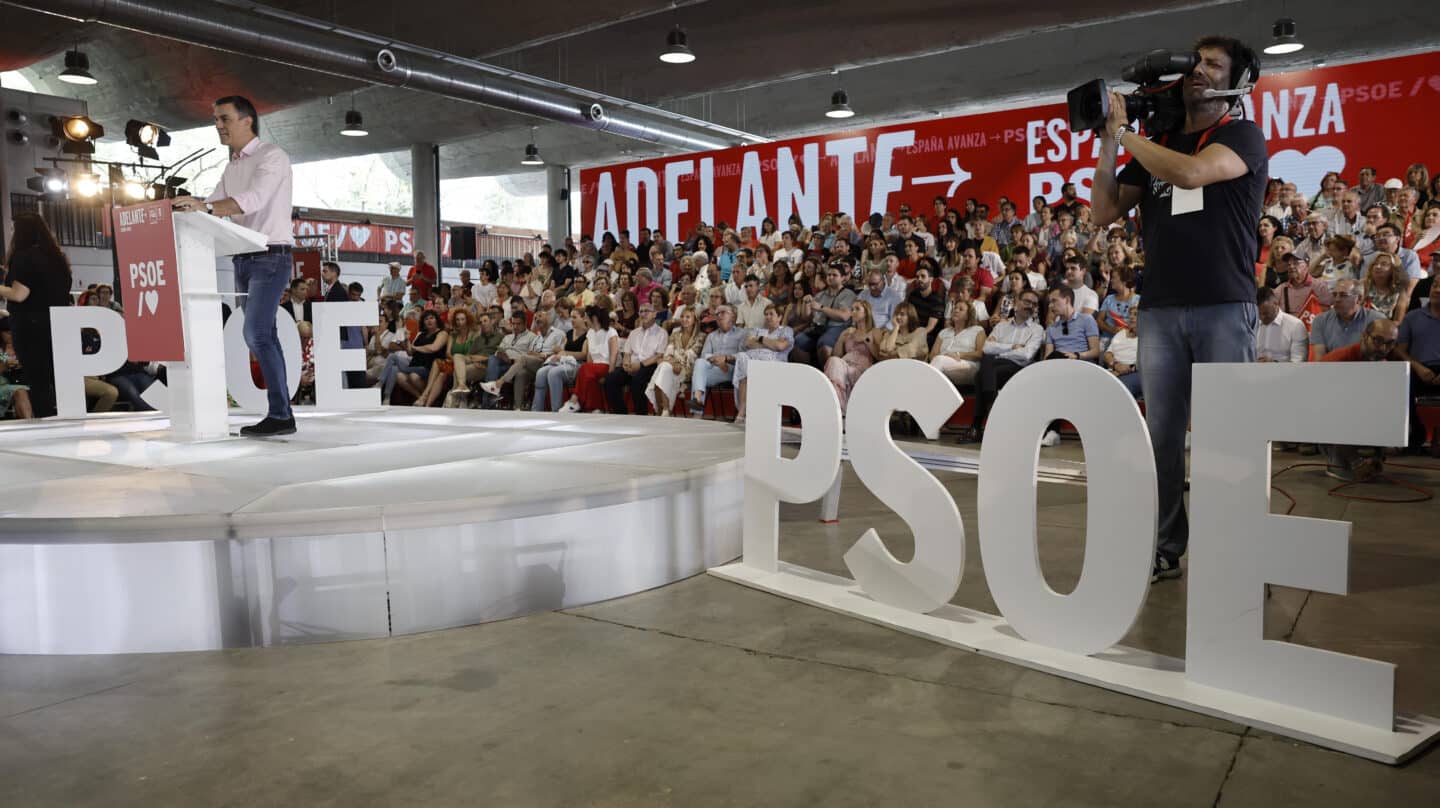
(1172, 340)
(264, 277)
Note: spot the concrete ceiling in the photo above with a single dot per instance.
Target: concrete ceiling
(762, 67)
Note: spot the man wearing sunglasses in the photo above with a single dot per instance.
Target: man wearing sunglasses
(1072, 335)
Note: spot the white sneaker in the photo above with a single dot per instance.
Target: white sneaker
(573, 405)
(1052, 438)
(492, 388)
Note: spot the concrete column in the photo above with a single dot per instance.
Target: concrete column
(425, 186)
(557, 204)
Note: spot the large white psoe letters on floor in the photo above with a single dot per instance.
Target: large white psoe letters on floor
(1236, 546)
(72, 365)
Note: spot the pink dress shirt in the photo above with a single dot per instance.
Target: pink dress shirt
(259, 180)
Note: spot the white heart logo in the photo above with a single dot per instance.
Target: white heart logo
(152, 299)
(1308, 168)
(360, 236)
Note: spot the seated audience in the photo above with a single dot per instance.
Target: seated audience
(602, 352)
(905, 339)
(881, 298)
(854, 352)
(959, 348)
(716, 363)
(1384, 290)
(1351, 463)
(1295, 295)
(1072, 335)
(1124, 351)
(639, 357)
(1113, 316)
(1419, 345)
(677, 363)
(769, 343)
(829, 317)
(927, 298)
(1279, 335)
(558, 370)
(411, 369)
(1343, 324)
(1012, 346)
(527, 360)
(514, 346)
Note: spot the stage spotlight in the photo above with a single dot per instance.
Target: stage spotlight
(77, 132)
(532, 152)
(87, 184)
(77, 68)
(135, 190)
(677, 50)
(47, 181)
(354, 125)
(146, 137)
(1284, 40)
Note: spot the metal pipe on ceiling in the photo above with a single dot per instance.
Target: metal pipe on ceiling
(276, 36)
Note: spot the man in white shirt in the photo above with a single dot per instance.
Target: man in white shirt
(393, 287)
(1347, 219)
(750, 311)
(1280, 336)
(255, 191)
(1312, 247)
(1086, 300)
(638, 359)
(1011, 347)
(527, 350)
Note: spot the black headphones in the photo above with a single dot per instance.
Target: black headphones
(1249, 73)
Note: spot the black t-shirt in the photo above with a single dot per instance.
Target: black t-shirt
(927, 306)
(564, 276)
(47, 279)
(1207, 256)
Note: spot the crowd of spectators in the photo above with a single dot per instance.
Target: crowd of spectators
(643, 322)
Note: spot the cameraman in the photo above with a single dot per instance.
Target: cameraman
(1200, 191)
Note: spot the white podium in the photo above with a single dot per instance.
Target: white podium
(198, 407)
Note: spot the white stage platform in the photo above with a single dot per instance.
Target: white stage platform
(114, 538)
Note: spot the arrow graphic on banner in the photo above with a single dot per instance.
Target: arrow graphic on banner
(957, 177)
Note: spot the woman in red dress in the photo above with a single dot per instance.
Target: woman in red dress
(602, 350)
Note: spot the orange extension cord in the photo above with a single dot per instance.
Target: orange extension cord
(1424, 494)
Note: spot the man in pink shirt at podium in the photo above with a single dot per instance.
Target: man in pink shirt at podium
(255, 192)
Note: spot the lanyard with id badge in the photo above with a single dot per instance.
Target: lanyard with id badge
(1191, 200)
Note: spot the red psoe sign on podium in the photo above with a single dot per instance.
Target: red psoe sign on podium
(150, 282)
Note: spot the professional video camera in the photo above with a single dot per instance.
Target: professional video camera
(1157, 102)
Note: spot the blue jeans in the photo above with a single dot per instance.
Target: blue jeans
(1132, 383)
(809, 345)
(550, 382)
(706, 376)
(1174, 338)
(264, 278)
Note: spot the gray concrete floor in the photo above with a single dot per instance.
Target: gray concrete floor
(705, 693)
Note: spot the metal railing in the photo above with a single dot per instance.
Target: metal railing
(75, 224)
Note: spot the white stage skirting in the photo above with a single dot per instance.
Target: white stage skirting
(114, 538)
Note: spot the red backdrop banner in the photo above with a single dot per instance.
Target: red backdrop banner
(149, 281)
(307, 265)
(368, 238)
(1374, 113)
